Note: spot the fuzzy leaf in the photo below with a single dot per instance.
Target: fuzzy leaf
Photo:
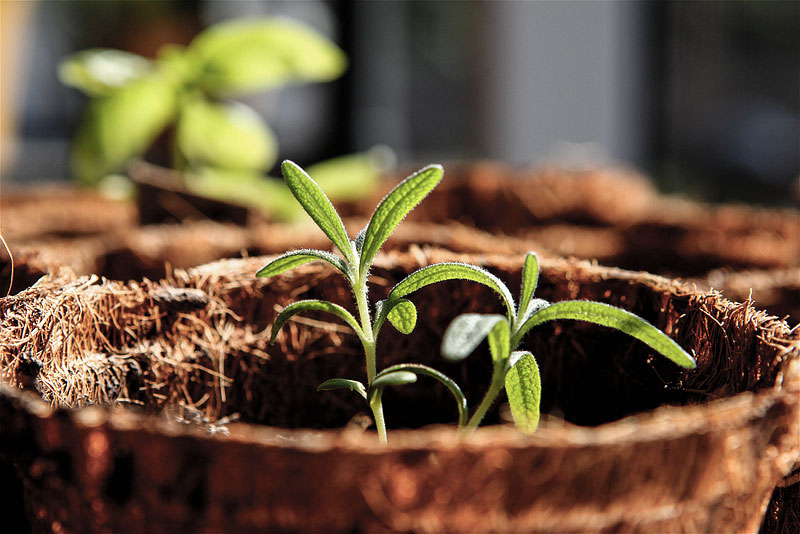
(607, 315)
(343, 383)
(101, 71)
(420, 369)
(524, 389)
(466, 332)
(440, 272)
(394, 378)
(393, 209)
(530, 277)
(295, 258)
(499, 339)
(314, 305)
(255, 54)
(403, 316)
(317, 205)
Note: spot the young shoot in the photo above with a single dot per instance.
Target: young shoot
(356, 259)
(517, 371)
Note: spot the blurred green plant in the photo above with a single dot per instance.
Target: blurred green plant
(223, 146)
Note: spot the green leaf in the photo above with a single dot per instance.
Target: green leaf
(317, 205)
(499, 339)
(393, 209)
(102, 71)
(295, 258)
(314, 305)
(440, 272)
(121, 125)
(343, 383)
(467, 331)
(607, 315)
(530, 277)
(394, 378)
(242, 56)
(228, 136)
(403, 316)
(524, 389)
(420, 369)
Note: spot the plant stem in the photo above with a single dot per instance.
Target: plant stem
(497, 384)
(369, 352)
(377, 412)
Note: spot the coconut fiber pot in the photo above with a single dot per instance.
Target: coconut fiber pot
(117, 394)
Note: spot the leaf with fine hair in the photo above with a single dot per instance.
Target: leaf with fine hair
(403, 316)
(420, 369)
(314, 305)
(318, 206)
(343, 383)
(524, 389)
(530, 277)
(439, 272)
(499, 338)
(466, 332)
(607, 315)
(393, 209)
(295, 258)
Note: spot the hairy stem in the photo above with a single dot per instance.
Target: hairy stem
(376, 405)
(369, 343)
(496, 386)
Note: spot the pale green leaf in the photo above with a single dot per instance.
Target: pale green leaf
(246, 55)
(120, 126)
(317, 205)
(343, 383)
(228, 136)
(403, 316)
(314, 305)
(394, 378)
(440, 272)
(524, 389)
(607, 315)
(102, 71)
(530, 277)
(466, 332)
(420, 369)
(499, 338)
(393, 209)
(295, 258)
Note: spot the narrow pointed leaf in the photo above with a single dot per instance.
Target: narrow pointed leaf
(393, 209)
(440, 272)
(394, 378)
(466, 332)
(524, 389)
(530, 277)
(317, 205)
(607, 315)
(420, 369)
(359, 240)
(499, 339)
(343, 383)
(314, 305)
(295, 258)
(403, 316)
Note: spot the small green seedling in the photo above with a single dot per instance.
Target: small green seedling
(134, 99)
(517, 371)
(356, 259)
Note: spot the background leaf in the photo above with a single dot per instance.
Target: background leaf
(102, 71)
(393, 209)
(229, 136)
(439, 272)
(623, 320)
(317, 205)
(121, 125)
(246, 55)
(349, 177)
(524, 389)
(403, 316)
(466, 332)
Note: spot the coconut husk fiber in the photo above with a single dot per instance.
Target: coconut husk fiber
(129, 385)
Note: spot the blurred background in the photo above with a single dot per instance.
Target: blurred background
(701, 96)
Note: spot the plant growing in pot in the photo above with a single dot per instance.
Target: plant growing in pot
(516, 371)
(184, 99)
